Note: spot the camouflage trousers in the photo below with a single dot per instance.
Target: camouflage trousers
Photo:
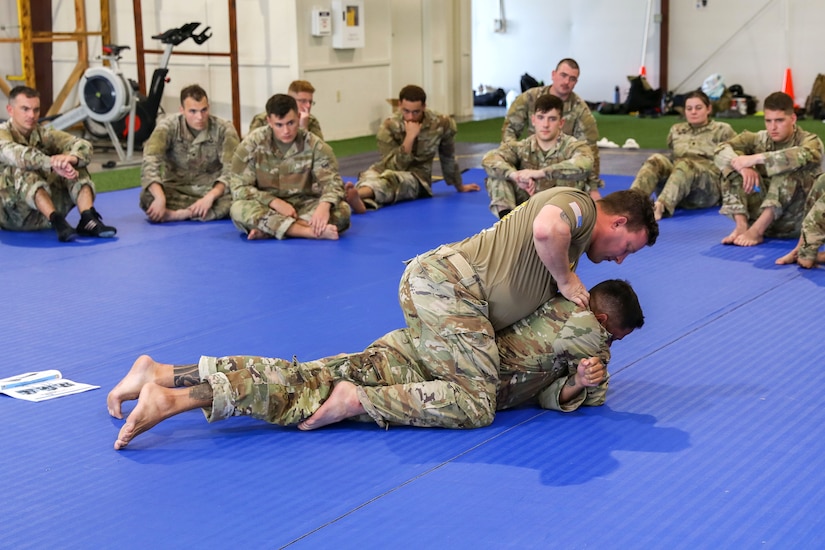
(504, 194)
(442, 371)
(390, 187)
(787, 194)
(179, 197)
(813, 225)
(18, 211)
(286, 392)
(688, 183)
(251, 214)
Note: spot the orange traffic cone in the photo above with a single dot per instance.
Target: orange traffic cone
(642, 71)
(787, 86)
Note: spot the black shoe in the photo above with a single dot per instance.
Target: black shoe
(91, 225)
(65, 232)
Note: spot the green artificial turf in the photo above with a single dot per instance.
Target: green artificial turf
(649, 133)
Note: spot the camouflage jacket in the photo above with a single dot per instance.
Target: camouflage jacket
(437, 136)
(569, 160)
(802, 153)
(260, 171)
(35, 152)
(314, 126)
(579, 122)
(538, 354)
(686, 141)
(174, 156)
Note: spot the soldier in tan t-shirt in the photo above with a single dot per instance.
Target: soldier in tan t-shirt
(455, 297)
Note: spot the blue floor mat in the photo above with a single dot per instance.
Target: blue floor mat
(709, 437)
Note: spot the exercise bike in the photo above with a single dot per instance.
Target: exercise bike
(110, 105)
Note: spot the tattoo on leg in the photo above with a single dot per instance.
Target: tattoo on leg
(201, 392)
(185, 376)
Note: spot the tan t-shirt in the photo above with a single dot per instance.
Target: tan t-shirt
(513, 277)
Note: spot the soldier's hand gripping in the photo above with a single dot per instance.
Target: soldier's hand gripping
(591, 372)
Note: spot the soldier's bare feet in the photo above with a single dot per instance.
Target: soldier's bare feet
(806, 263)
(733, 236)
(256, 235)
(354, 199)
(154, 404)
(342, 403)
(142, 372)
(789, 258)
(749, 238)
(177, 215)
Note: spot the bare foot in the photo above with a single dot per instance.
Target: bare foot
(142, 372)
(154, 405)
(789, 258)
(733, 236)
(342, 403)
(177, 215)
(748, 238)
(658, 210)
(354, 199)
(256, 235)
(807, 264)
(330, 232)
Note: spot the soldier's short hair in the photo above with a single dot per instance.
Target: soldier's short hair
(549, 102)
(779, 101)
(194, 91)
(412, 93)
(280, 105)
(700, 95)
(637, 207)
(298, 86)
(619, 301)
(570, 61)
(25, 91)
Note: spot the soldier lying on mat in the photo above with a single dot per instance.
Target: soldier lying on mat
(556, 356)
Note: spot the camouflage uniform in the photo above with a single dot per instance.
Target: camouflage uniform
(455, 297)
(187, 166)
(25, 167)
(401, 176)
(537, 355)
(304, 175)
(259, 121)
(578, 122)
(687, 177)
(570, 160)
(786, 178)
(813, 226)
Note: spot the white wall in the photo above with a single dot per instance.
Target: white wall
(749, 42)
(406, 42)
(604, 36)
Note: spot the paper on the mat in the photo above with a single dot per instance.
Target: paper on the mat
(40, 386)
